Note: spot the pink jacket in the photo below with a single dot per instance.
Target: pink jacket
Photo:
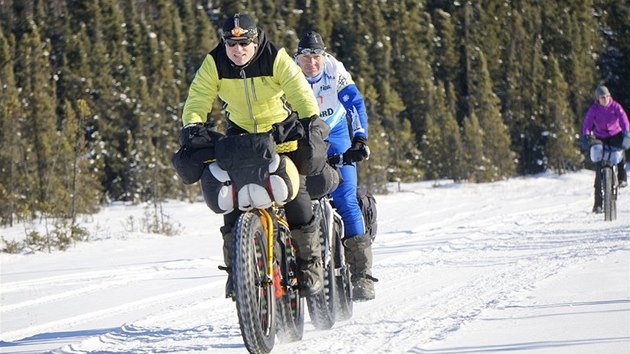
(605, 121)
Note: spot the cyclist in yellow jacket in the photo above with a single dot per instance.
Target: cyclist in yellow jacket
(260, 85)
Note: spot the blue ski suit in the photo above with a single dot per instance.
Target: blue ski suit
(338, 97)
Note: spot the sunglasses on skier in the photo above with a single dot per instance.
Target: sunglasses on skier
(307, 51)
(242, 42)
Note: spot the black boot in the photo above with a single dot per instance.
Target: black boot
(358, 253)
(308, 252)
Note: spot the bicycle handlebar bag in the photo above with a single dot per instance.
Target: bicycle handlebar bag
(248, 174)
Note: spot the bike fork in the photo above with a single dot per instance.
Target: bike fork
(272, 273)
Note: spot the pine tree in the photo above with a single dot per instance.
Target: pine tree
(10, 112)
(486, 24)
(452, 149)
(568, 31)
(561, 148)
(517, 87)
(522, 86)
(406, 158)
(614, 62)
(39, 131)
(580, 68)
(442, 145)
(315, 17)
(475, 162)
(383, 109)
(486, 105)
(446, 65)
(82, 182)
(431, 143)
(413, 73)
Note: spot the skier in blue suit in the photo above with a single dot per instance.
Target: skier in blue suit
(339, 99)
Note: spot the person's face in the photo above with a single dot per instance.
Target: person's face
(604, 100)
(311, 64)
(240, 51)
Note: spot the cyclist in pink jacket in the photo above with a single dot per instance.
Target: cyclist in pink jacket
(606, 121)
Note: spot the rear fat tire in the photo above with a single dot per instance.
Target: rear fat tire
(255, 301)
(322, 306)
(290, 304)
(343, 286)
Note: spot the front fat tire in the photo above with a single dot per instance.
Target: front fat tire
(609, 200)
(255, 302)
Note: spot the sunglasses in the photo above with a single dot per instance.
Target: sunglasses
(307, 51)
(241, 42)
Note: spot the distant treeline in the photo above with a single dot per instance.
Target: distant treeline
(92, 90)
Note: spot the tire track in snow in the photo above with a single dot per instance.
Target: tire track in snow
(204, 326)
(106, 312)
(98, 280)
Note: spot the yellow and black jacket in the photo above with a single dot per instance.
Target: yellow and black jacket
(253, 95)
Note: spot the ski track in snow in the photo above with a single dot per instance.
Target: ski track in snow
(502, 246)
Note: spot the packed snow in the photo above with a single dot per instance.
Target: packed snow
(513, 266)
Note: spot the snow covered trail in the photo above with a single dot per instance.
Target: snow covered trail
(446, 255)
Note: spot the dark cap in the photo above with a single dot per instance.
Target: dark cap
(239, 26)
(311, 40)
(601, 91)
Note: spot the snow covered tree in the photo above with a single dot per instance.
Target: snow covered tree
(11, 187)
(475, 163)
(561, 148)
(487, 107)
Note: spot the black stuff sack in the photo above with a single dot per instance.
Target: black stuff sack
(187, 170)
(367, 203)
(312, 153)
(323, 183)
(197, 148)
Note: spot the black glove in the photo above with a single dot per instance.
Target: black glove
(188, 133)
(198, 136)
(287, 130)
(586, 141)
(584, 144)
(358, 151)
(335, 160)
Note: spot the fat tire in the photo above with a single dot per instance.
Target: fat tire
(322, 307)
(290, 304)
(255, 301)
(610, 212)
(343, 284)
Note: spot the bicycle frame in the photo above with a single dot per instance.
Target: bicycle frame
(267, 218)
(267, 221)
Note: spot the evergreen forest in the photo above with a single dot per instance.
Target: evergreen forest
(92, 91)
